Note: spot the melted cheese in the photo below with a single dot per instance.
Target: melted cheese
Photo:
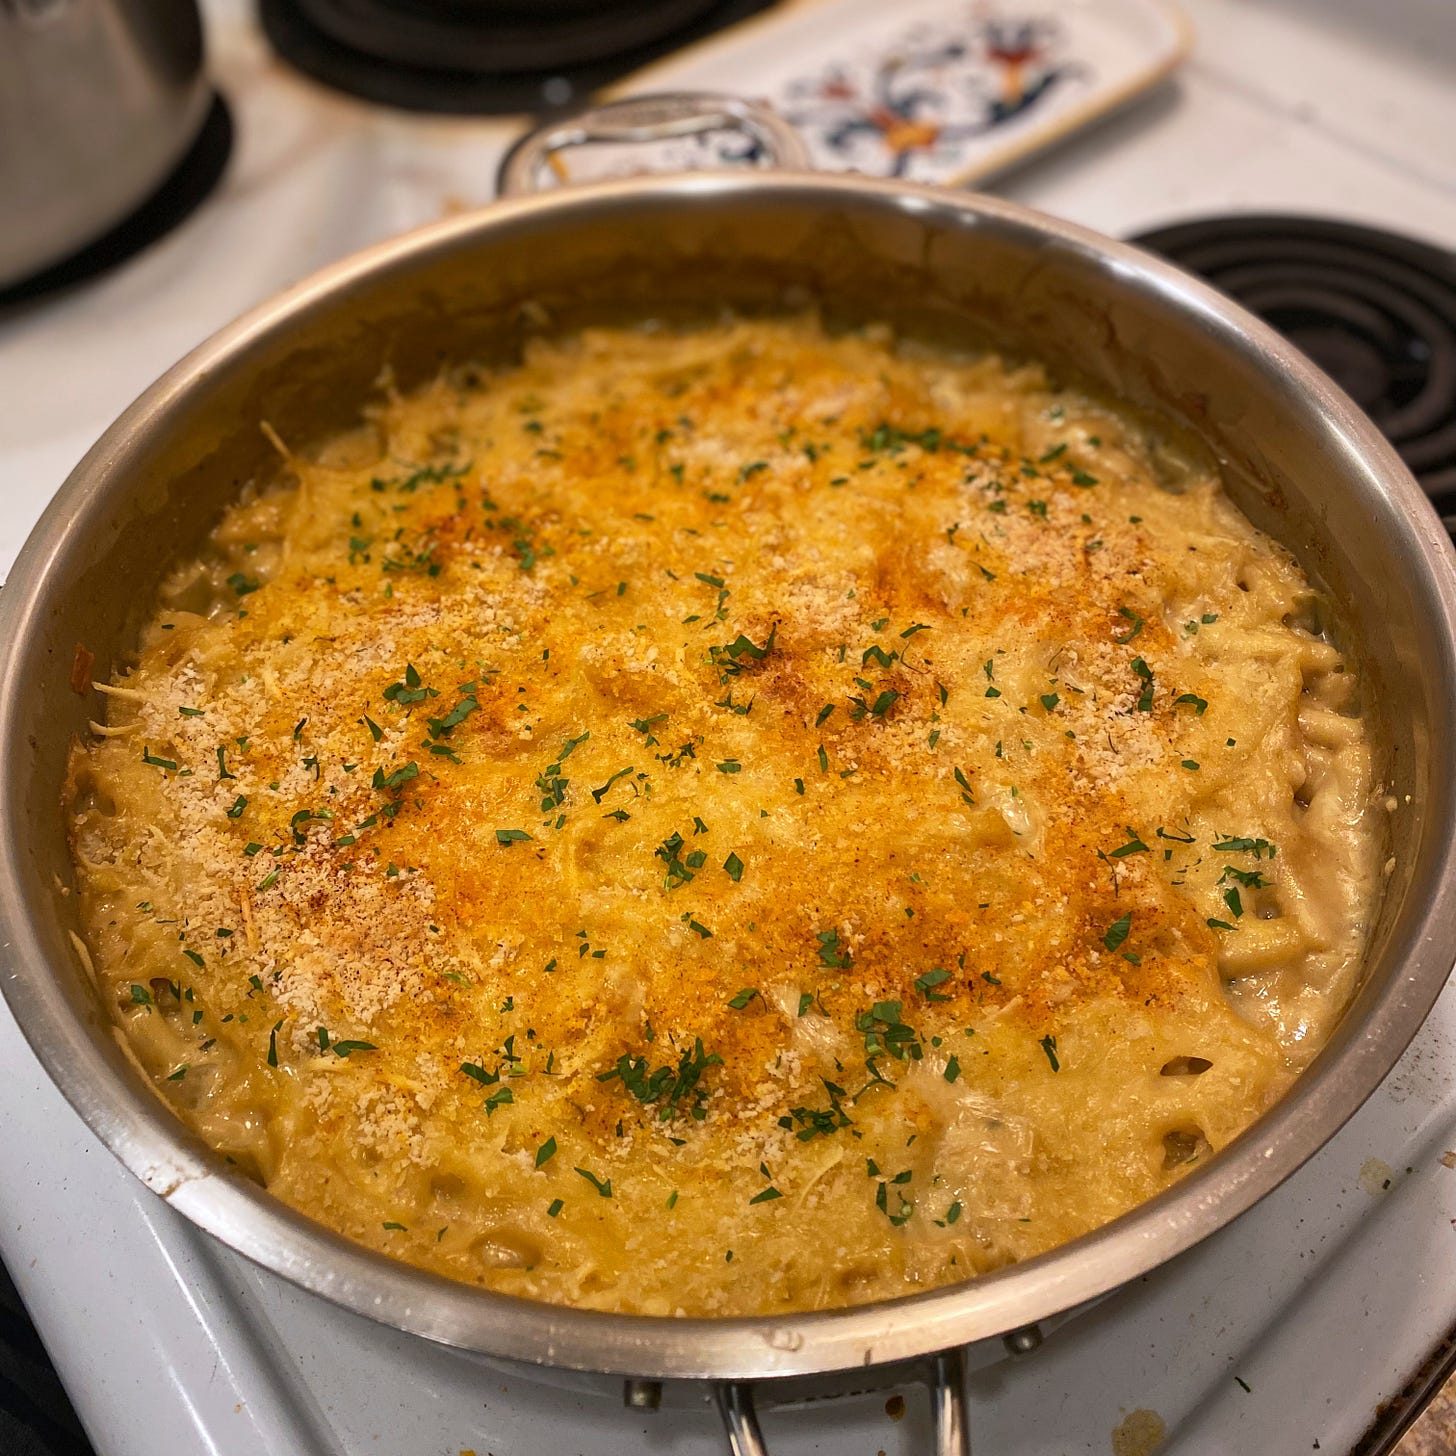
(728, 822)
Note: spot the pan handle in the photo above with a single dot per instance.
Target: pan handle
(657, 118)
(740, 1420)
(945, 1378)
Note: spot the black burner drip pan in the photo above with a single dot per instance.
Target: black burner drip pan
(1376, 311)
(486, 57)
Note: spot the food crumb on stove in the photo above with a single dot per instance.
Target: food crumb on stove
(1376, 1176)
(1139, 1433)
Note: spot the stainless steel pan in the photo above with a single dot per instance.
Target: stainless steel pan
(1299, 458)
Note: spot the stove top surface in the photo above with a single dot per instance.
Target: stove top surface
(1284, 1333)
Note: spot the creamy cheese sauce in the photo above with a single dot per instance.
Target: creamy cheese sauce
(728, 821)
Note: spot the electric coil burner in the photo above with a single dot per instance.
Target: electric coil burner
(1376, 312)
(489, 57)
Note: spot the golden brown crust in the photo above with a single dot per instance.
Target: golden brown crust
(775, 775)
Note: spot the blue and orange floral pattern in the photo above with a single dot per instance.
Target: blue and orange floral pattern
(921, 105)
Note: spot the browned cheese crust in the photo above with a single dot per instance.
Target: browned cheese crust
(728, 821)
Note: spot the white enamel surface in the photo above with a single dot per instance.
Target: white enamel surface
(1322, 1300)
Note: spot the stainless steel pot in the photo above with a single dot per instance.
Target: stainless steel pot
(1298, 456)
(99, 99)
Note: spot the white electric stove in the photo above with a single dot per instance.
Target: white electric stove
(1284, 1333)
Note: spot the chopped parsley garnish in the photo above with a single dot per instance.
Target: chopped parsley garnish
(1145, 701)
(891, 438)
(239, 804)
(644, 725)
(670, 851)
(1048, 1044)
(382, 780)
(602, 1187)
(546, 1151)
(1116, 933)
(906, 1208)
(1199, 705)
(621, 773)
(961, 779)
(444, 727)
(831, 953)
(410, 689)
(242, 585)
(1137, 625)
(677, 1089)
(885, 1030)
(767, 1196)
(927, 983)
(741, 1000)
(732, 657)
(1259, 848)
(554, 1207)
(734, 866)
(1134, 845)
(816, 1121)
(952, 1069)
(150, 758)
(1249, 879)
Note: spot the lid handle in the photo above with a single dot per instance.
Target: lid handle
(533, 162)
